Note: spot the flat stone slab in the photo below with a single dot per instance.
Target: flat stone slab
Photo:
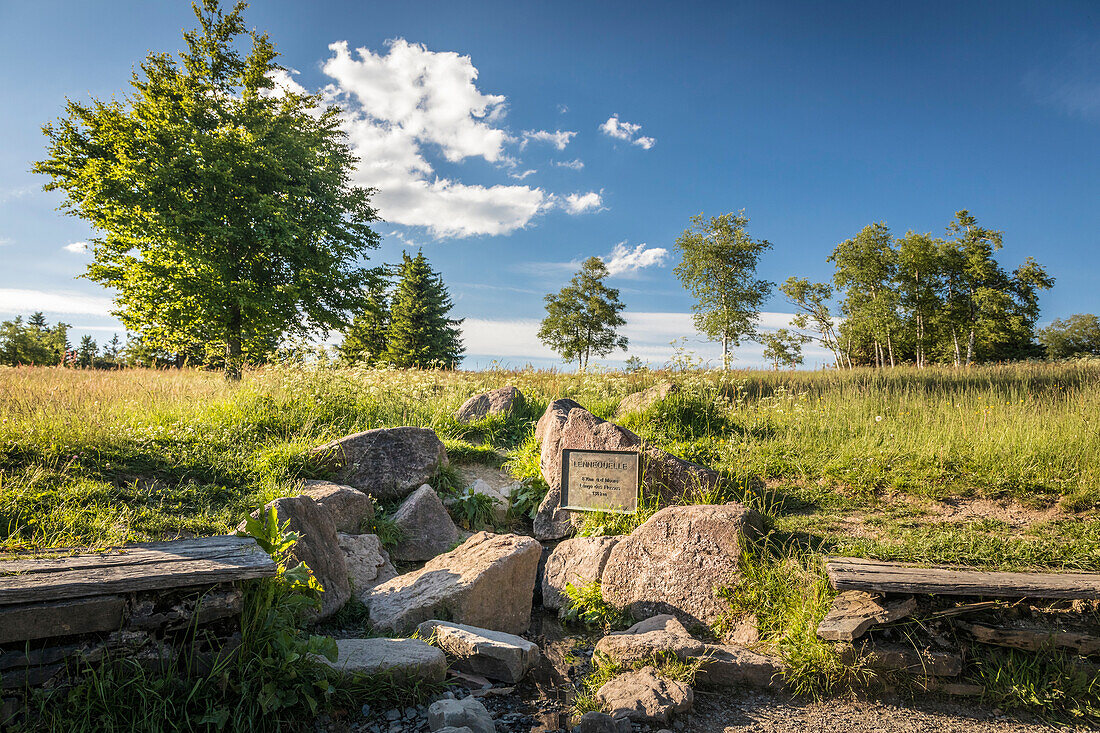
(406, 659)
(493, 654)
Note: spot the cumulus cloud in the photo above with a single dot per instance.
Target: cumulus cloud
(624, 260)
(76, 247)
(15, 300)
(401, 105)
(628, 131)
(575, 164)
(559, 138)
(579, 203)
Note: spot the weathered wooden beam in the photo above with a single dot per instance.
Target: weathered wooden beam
(60, 618)
(849, 573)
(158, 566)
(1037, 639)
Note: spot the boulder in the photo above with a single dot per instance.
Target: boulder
(566, 424)
(405, 659)
(367, 562)
(466, 713)
(579, 561)
(659, 635)
(638, 401)
(498, 401)
(596, 722)
(426, 527)
(388, 463)
(488, 582)
(678, 562)
(645, 697)
(492, 654)
(318, 547)
(351, 509)
(665, 636)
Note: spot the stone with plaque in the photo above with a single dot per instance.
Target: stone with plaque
(600, 480)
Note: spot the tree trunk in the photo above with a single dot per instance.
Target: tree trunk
(970, 348)
(725, 354)
(233, 344)
(955, 338)
(890, 348)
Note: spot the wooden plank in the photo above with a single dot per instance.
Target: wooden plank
(854, 612)
(849, 573)
(1037, 639)
(158, 566)
(64, 618)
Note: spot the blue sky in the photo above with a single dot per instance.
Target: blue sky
(512, 140)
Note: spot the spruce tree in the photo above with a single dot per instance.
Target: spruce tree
(365, 341)
(421, 334)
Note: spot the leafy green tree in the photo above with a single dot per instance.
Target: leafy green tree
(365, 340)
(583, 317)
(811, 300)
(718, 266)
(87, 352)
(225, 208)
(919, 286)
(995, 312)
(1076, 336)
(866, 267)
(421, 333)
(33, 341)
(784, 347)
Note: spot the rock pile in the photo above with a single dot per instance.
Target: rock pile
(566, 424)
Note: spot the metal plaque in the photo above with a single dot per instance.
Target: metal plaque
(600, 480)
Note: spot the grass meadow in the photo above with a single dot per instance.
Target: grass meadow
(991, 466)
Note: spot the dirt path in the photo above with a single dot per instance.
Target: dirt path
(760, 712)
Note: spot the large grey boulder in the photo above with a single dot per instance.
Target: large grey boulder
(578, 561)
(405, 659)
(492, 654)
(466, 713)
(498, 401)
(566, 424)
(664, 637)
(488, 581)
(645, 696)
(679, 561)
(351, 509)
(367, 561)
(388, 463)
(317, 546)
(638, 401)
(426, 527)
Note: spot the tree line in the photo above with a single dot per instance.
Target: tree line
(916, 299)
(35, 342)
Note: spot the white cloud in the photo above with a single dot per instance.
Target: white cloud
(401, 106)
(575, 164)
(284, 83)
(5, 241)
(625, 260)
(1069, 83)
(15, 300)
(579, 203)
(521, 176)
(76, 247)
(559, 139)
(562, 109)
(650, 334)
(628, 131)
